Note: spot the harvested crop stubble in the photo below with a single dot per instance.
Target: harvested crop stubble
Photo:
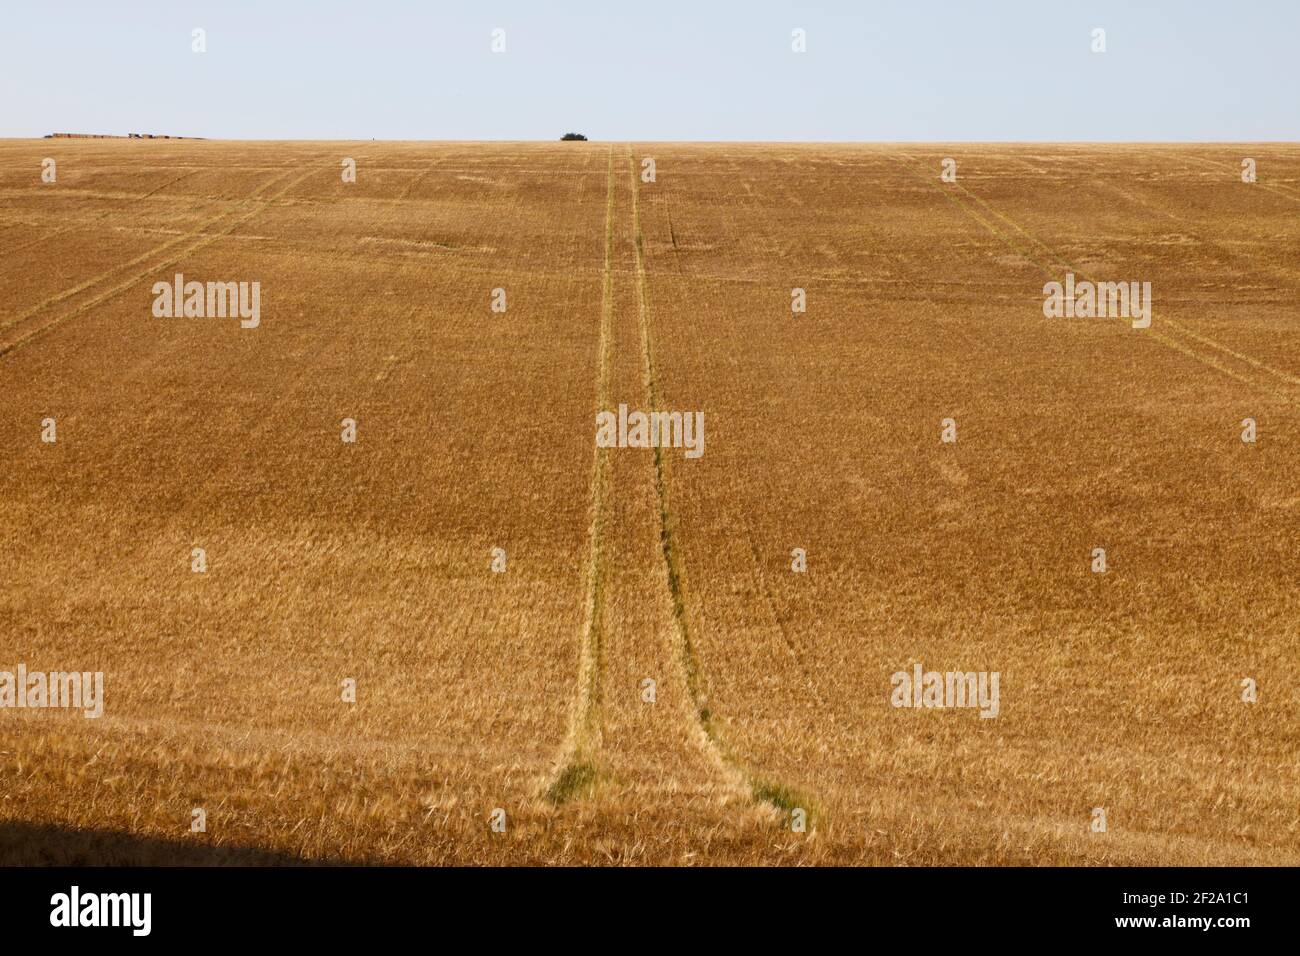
(525, 690)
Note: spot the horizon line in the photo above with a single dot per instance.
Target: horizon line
(183, 137)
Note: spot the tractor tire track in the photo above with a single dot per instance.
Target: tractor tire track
(145, 256)
(576, 769)
(1244, 263)
(1169, 341)
(419, 178)
(797, 654)
(207, 240)
(1059, 259)
(705, 730)
(18, 247)
(1284, 191)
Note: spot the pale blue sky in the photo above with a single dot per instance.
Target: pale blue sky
(655, 70)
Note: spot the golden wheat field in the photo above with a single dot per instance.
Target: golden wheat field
(498, 588)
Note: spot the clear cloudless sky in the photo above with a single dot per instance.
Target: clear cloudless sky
(874, 70)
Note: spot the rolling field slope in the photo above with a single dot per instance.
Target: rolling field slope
(501, 588)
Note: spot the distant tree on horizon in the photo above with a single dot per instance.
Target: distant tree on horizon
(572, 136)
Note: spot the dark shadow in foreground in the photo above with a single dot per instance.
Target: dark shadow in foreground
(38, 844)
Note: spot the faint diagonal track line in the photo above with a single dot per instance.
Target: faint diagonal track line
(145, 256)
(110, 293)
(1061, 260)
(1170, 341)
(17, 247)
(1278, 188)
